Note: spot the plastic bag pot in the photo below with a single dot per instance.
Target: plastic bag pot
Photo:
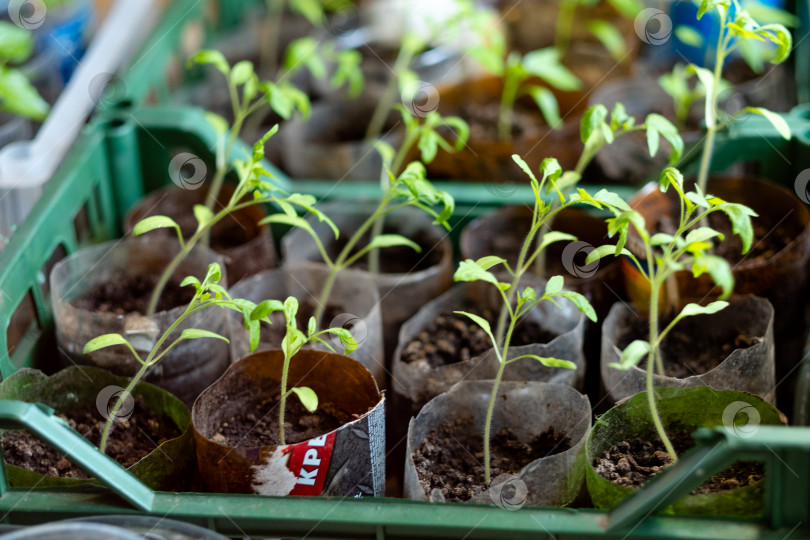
(401, 293)
(349, 461)
(782, 278)
(354, 294)
(488, 159)
(165, 468)
(190, 366)
(748, 369)
(331, 144)
(247, 247)
(527, 409)
(686, 409)
(418, 382)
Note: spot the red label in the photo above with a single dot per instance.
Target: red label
(309, 462)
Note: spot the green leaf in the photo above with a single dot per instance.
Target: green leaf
(632, 355)
(777, 120)
(548, 362)
(690, 310)
(16, 44)
(661, 239)
(719, 270)
(489, 261)
(554, 285)
(779, 36)
(219, 124)
(702, 234)
(196, 333)
(547, 103)
(480, 321)
(610, 37)
(18, 95)
(307, 396)
(311, 326)
(468, 270)
(203, 215)
(209, 56)
(602, 252)
(392, 240)
(591, 120)
(241, 72)
(740, 217)
(545, 63)
(580, 302)
(311, 9)
(527, 295)
(107, 340)
(265, 308)
(689, 36)
(660, 125)
(708, 5)
(555, 236)
(155, 222)
(525, 166)
(190, 280)
(290, 310)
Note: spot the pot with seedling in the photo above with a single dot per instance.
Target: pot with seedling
(557, 429)
(399, 241)
(292, 421)
(132, 287)
(530, 106)
(645, 433)
(725, 345)
(143, 427)
(339, 141)
(775, 267)
(247, 246)
(595, 39)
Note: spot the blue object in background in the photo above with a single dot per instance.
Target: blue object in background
(65, 34)
(684, 13)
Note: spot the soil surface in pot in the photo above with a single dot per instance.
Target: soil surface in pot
(130, 440)
(131, 295)
(394, 260)
(483, 120)
(681, 354)
(632, 463)
(257, 425)
(455, 338)
(451, 457)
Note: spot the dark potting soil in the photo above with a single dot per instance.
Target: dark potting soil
(258, 425)
(451, 457)
(483, 120)
(130, 440)
(131, 295)
(394, 260)
(681, 354)
(455, 338)
(632, 463)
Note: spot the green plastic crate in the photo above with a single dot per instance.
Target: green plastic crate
(124, 153)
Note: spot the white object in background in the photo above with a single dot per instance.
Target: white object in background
(25, 166)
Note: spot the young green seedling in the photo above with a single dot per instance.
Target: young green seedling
(251, 180)
(516, 71)
(610, 36)
(733, 33)
(294, 340)
(683, 93)
(517, 304)
(426, 134)
(597, 129)
(18, 95)
(249, 96)
(411, 188)
(687, 248)
(208, 293)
